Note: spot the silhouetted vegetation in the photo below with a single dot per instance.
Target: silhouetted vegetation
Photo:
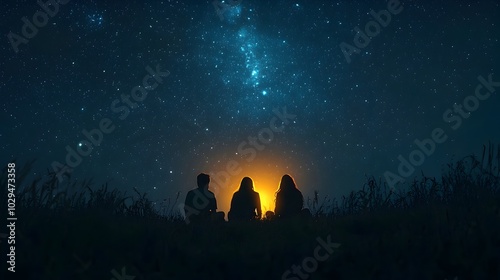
(429, 228)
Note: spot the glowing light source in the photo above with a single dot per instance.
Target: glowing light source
(266, 173)
(266, 200)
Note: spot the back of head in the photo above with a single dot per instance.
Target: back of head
(202, 180)
(287, 184)
(246, 185)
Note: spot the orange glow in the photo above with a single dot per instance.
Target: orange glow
(266, 201)
(266, 175)
(266, 193)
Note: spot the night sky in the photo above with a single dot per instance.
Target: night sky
(230, 76)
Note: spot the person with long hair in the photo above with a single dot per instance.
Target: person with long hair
(245, 204)
(289, 200)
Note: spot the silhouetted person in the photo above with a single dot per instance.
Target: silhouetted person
(200, 204)
(245, 204)
(289, 199)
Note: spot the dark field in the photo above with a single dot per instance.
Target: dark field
(431, 228)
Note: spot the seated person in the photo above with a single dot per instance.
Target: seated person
(200, 203)
(289, 200)
(245, 204)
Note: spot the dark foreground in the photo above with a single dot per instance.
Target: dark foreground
(434, 229)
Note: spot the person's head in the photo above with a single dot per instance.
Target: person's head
(203, 180)
(246, 185)
(287, 183)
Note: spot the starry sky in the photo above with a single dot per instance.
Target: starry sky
(230, 70)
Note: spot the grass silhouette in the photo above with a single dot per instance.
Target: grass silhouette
(429, 228)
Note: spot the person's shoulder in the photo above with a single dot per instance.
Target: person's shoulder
(210, 194)
(236, 196)
(193, 192)
(300, 195)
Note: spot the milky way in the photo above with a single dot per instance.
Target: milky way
(228, 72)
